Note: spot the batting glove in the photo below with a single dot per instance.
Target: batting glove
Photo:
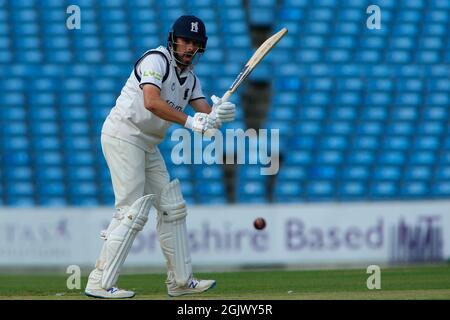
(225, 111)
(200, 122)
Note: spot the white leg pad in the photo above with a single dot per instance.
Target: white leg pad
(175, 238)
(120, 240)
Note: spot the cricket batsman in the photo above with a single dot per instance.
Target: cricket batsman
(161, 84)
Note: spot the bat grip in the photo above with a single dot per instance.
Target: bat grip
(226, 96)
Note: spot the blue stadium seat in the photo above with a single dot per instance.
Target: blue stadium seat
(45, 128)
(319, 190)
(370, 128)
(20, 201)
(325, 156)
(79, 158)
(18, 173)
(380, 84)
(20, 188)
(334, 142)
(5, 56)
(209, 3)
(308, 128)
(53, 202)
(349, 190)
(81, 173)
(15, 143)
(434, 29)
(77, 189)
(392, 157)
(355, 172)
(414, 189)
(51, 189)
(16, 158)
(431, 128)
(339, 128)
(52, 158)
(402, 42)
(208, 172)
(12, 99)
(297, 157)
(361, 157)
(212, 200)
(58, 42)
(383, 189)
(187, 189)
(84, 201)
(295, 173)
(233, 14)
(288, 189)
(48, 173)
(75, 88)
(366, 142)
(435, 113)
(367, 56)
(75, 113)
(13, 85)
(27, 43)
(325, 171)
(427, 143)
(77, 143)
(209, 188)
(423, 157)
(418, 173)
(70, 127)
(441, 189)
(387, 173)
(42, 99)
(14, 128)
(400, 127)
(261, 16)
(251, 192)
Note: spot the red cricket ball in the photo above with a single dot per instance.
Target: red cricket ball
(259, 223)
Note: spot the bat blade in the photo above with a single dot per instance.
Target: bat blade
(256, 58)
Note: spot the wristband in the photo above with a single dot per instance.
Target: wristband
(189, 122)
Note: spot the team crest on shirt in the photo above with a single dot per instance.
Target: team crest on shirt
(194, 26)
(186, 93)
(173, 86)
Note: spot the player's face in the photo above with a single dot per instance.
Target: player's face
(186, 49)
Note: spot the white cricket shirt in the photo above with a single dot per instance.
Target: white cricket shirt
(129, 120)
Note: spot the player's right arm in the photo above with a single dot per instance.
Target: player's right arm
(155, 104)
(152, 69)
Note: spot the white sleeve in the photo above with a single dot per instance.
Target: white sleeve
(152, 70)
(197, 92)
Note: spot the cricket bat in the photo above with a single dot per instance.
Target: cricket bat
(251, 64)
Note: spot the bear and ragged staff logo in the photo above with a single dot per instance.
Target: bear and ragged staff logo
(194, 26)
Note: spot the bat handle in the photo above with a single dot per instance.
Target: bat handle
(226, 96)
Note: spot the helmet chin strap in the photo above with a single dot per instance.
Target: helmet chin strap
(176, 55)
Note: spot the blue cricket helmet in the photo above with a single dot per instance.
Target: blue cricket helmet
(189, 27)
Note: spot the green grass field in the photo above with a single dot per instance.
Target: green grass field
(423, 282)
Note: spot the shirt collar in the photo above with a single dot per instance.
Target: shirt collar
(185, 71)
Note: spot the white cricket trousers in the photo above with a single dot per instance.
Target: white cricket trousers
(134, 172)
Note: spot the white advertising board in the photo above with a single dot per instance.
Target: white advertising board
(224, 235)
